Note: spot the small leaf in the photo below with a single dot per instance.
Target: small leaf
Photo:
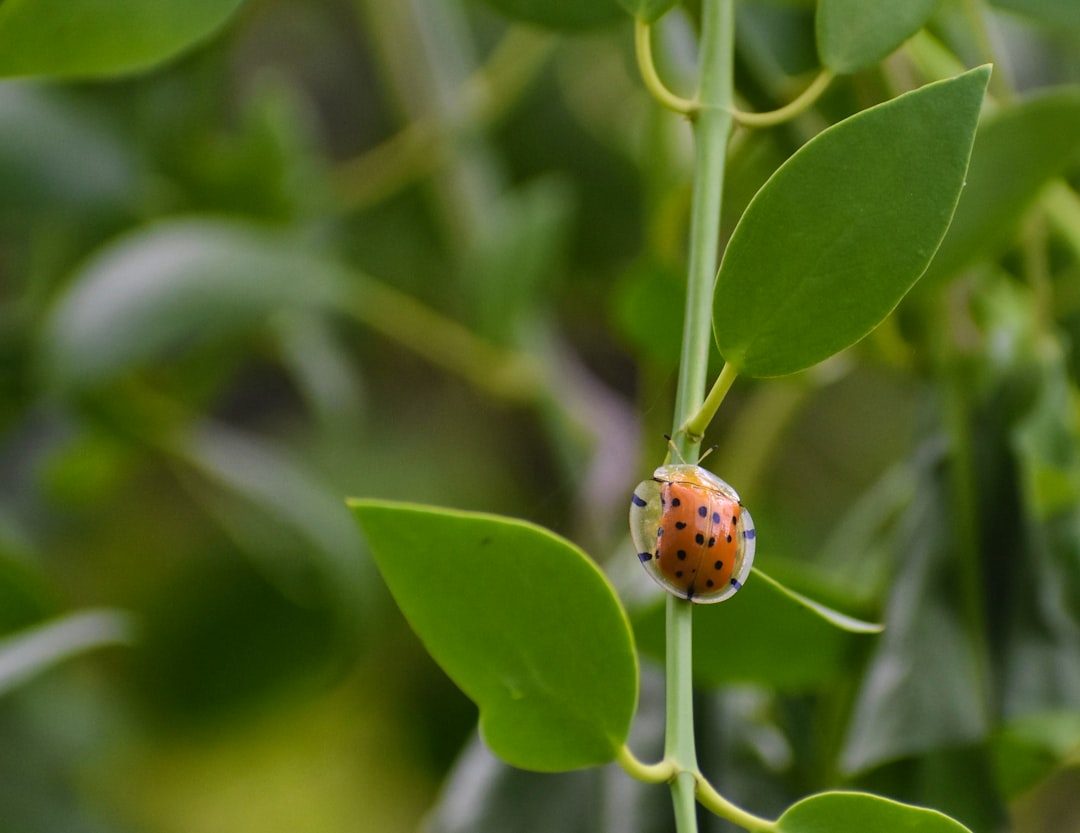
(1050, 12)
(853, 34)
(173, 285)
(852, 812)
(568, 15)
(843, 229)
(1034, 141)
(785, 639)
(521, 620)
(89, 38)
(27, 653)
(648, 11)
(833, 617)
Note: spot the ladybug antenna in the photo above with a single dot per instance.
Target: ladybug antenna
(708, 451)
(674, 448)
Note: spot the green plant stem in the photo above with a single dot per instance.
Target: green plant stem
(803, 102)
(694, 428)
(712, 127)
(649, 75)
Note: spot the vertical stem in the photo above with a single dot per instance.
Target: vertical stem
(712, 127)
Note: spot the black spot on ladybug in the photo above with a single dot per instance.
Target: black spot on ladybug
(636, 501)
(681, 554)
(645, 556)
(729, 539)
(678, 574)
(712, 542)
(719, 565)
(699, 538)
(716, 517)
(701, 510)
(676, 502)
(680, 524)
(734, 520)
(709, 583)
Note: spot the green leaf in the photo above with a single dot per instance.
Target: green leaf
(27, 653)
(567, 15)
(275, 507)
(172, 286)
(853, 34)
(785, 639)
(87, 38)
(39, 170)
(1051, 12)
(648, 10)
(852, 812)
(843, 229)
(911, 699)
(1034, 141)
(1031, 748)
(833, 617)
(521, 620)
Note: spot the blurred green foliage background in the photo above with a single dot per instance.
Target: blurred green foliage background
(413, 250)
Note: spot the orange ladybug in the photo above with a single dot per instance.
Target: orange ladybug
(693, 535)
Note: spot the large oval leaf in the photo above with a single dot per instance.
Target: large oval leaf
(852, 812)
(570, 15)
(521, 620)
(102, 37)
(843, 229)
(1034, 141)
(852, 34)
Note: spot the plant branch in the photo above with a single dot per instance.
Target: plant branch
(694, 427)
(800, 105)
(657, 773)
(649, 75)
(714, 802)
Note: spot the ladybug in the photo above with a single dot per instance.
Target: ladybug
(692, 534)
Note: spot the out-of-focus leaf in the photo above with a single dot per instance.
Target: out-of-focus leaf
(853, 34)
(1050, 12)
(29, 652)
(568, 15)
(87, 38)
(53, 153)
(785, 640)
(283, 495)
(844, 228)
(1018, 150)
(173, 284)
(521, 620)
(850, 812)
(922, 689)
(1042, 643)
(1030, 749)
